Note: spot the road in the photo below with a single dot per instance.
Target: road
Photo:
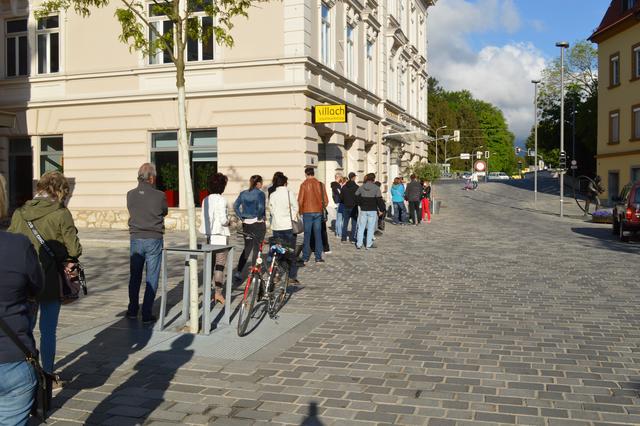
(493, 313)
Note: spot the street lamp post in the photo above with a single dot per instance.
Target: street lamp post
(439, 128)
(562, 45)
(535, 138)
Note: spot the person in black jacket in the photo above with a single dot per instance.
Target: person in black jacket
(369, 200)
(350, 209)
(414, 197)
(22, 279)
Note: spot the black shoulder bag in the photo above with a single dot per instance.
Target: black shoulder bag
(71, 282)
(42, 401)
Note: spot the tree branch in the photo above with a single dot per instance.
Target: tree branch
(149, 25)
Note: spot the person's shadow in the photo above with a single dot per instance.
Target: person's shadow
(312, 417)
(153, 375)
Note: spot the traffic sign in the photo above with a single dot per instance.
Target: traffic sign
(574, 165)
(465, 156)
(480, 166)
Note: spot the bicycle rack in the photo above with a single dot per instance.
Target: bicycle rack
(207, 251)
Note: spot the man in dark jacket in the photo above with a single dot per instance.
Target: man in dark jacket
(414, 197)
(147, 208)
(370, 201)
(21, 279)
(350, 210)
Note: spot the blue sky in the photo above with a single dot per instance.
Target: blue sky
(494, 48)
(547, 21)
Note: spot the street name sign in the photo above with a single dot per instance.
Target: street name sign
(329, 114)
(465, 156)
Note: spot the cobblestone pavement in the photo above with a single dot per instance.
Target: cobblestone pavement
(493, 313)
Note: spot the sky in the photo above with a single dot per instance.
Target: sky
(494, 48)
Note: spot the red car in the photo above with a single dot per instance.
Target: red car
(626, 213)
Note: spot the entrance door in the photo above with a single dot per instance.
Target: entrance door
(20, 172)
(613, 185)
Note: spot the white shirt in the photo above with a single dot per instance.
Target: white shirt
(280, 202)
(215, 221)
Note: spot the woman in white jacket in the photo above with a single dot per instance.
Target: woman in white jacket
(215, 226)
(283, 206)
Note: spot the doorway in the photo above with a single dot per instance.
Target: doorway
(20, 172)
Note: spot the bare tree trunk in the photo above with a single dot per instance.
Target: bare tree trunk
(183, 144)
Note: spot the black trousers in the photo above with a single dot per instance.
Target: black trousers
(251, 243)
(415, 211)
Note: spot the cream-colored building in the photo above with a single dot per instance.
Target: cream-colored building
(618, 38)
(86, 104)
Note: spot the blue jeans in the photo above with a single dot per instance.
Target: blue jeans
(399, 212)
(312, 223)
(289, 236)
(349, 213)
(367, 220)
(338, 227)
(17, 392)
(49, 313)
(143, 251)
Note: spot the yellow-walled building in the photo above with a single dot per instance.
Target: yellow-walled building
(618, 39)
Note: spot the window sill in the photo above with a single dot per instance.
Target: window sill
(613, 143)
(613, 86)
(634, 140)
(634, 79)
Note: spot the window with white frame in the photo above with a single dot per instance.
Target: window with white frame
(197, 49)
(350, 52)
(402, 76)
(391, 83)
(17, 48)
(325, 34)
(636, 62)
(51, 154)
(370, 66)
(614, 126)
(48, 44)
(203, 156)
(614, 70)
(160, 26)
(401, 13)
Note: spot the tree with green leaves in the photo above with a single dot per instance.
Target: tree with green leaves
(581, 108)
(142, 36)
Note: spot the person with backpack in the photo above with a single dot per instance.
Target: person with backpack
(50, 219)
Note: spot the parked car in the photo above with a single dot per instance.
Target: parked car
(498, 176)
(626, 211)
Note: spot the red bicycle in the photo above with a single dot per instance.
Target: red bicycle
(270, 282)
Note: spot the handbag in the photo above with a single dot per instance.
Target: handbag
(72, 280)
(325, 213)
(297, 227)
(42, 401)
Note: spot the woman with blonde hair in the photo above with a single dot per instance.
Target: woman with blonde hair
(52, 220)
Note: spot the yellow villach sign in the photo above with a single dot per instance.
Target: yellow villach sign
(329, 114)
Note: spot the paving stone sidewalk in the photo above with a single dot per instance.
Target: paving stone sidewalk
(488, 315)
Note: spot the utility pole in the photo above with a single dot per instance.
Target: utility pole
(562, 45)
(535, 138)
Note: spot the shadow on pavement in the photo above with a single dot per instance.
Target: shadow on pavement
(312, 416)
(605, 239)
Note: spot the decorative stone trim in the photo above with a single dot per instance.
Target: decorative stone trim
(353, 17)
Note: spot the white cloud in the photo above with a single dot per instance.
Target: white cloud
(498, 74)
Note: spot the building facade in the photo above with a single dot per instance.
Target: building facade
(618, 38)
(89, 106)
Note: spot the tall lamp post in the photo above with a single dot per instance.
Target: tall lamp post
(562, 45)
(535, 138)
(438, 129)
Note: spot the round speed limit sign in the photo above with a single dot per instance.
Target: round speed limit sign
(480, 166)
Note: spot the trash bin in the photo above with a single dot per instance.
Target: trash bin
(435, 206)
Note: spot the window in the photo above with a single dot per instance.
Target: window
(203, 155)
(635, 123)
(20, 171)
(628, 4)
(401, 87)
(48, 44)
(160, 25)
(370, 67)
(635, 174)
(325, 34)
(350, 60)
(635, 55)
(613, 184)
(391, 83)
(401, 13)
(17, 48)
(614, 127)
(51, 154)
(197, 50)
(614, 70)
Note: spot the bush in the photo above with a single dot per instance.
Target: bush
(425, 171)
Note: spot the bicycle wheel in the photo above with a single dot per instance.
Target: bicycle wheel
(248, 303)
(282, 284)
